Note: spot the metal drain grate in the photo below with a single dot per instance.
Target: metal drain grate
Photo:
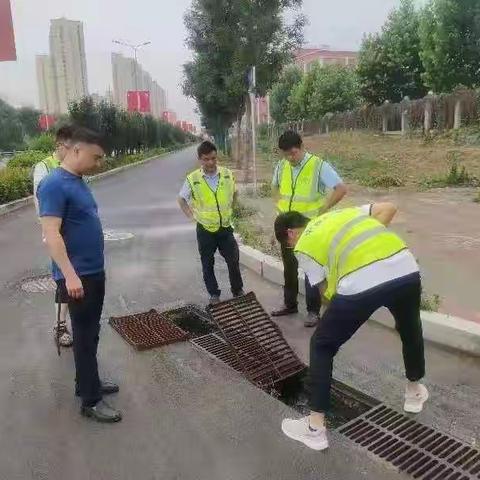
(39, 284)
(147, 330)
(413, 448)
(217, 347)
(192, 319)
(264, 355)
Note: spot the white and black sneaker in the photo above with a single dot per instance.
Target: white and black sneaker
(415, 398)
(301, 431)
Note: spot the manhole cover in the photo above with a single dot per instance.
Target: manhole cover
(264, 355)
(413, 448)
(147, 330)
(116, 236)
(191, 319)
(39, 284)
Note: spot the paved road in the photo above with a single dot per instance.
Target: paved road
(186, 417)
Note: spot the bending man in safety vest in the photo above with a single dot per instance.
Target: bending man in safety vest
(300, 184)
(63, 138)
(360, 266)
(207, 197)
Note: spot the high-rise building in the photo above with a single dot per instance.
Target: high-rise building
(67, 51)
(128, 76)
(47, 87)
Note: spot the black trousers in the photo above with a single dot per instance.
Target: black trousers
(346, 314)
(224, 241)
(85, 316)
(290, 289)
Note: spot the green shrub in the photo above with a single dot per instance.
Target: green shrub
(15, 183)
(456, 177)
(430, 304)
(43, 143)
(385, 181)
(26, 159)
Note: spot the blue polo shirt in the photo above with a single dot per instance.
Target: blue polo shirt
(64, 195)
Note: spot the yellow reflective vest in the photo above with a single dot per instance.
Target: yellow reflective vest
(344, 241)
(51, 163)
(300, 195)
(212, 209)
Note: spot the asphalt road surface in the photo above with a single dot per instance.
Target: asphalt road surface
(185, 415)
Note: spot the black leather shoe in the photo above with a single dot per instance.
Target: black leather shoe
(102, 412)
(106, 388)
(284, 311)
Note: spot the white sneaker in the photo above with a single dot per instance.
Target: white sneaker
(414, 400)
(300, 430)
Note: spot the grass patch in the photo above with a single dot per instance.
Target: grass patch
(457, 175)
(477, 198)
(430, 303)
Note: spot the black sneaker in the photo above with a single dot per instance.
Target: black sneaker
(102, 412)
(106, 388)
(282, 312)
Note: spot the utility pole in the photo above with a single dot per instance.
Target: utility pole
(135, 49)
(253, 84)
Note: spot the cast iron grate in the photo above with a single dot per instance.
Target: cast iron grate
(264, 355)
(147, 330)
(413, 448)
(38, 284)
(218, 348)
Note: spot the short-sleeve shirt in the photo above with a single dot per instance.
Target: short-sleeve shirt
(383, 271)
(328, 178)
(64, 195)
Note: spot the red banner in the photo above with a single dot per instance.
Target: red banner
(46, 121)
(7, 39)
(138, 101)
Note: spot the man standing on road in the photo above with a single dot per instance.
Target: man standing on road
(207, 196)
(74, 236)
(43, 168)
(300, 184)
(360, 266)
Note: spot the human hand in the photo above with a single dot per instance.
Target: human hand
(74, 287)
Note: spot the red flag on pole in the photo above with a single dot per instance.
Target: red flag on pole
(7, 39)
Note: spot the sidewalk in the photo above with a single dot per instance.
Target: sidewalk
(442, 228)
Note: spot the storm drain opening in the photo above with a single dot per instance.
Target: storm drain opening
(147, 330)
(192, 319)
(413, 448)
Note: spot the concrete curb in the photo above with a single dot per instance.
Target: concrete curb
(446, 330)
(25, 202)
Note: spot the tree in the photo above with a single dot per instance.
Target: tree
(280, 107)
(11, 130)
(228, 37)
(450, 39)
(390, 66)
(324, 89)
(29, 118)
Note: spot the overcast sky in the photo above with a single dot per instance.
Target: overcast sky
(338, 23)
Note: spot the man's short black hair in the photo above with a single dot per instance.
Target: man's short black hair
(64, 132)
(205, 148)
(85, 135)
(288, 140)
(286, 221)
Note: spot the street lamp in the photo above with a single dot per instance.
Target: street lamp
(135, 49)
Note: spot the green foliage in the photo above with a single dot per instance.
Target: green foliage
(15, 183)
(227, 37)
(280, 107)
(27, 159)
(44, 143)
(450, 41)
(457, 176)
(385, 181)
(324, 89)
(11, 131)
(29, 118)
(126, 133)
(430, 303)
(390, 66)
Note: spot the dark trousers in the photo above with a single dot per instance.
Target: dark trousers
(224, 241)
(346, 314)
(85, 316)
(290, 289)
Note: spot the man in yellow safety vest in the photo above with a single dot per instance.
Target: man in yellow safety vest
(63, 137)
(360, 265)
(207, 197)
(300, 184)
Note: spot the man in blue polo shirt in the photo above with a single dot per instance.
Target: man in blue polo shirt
(74, 236)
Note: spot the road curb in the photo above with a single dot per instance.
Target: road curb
(446, 330)
(25, 202)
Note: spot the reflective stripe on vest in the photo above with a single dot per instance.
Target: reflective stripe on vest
(344, 241)
(212, 209)
(300, 194)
